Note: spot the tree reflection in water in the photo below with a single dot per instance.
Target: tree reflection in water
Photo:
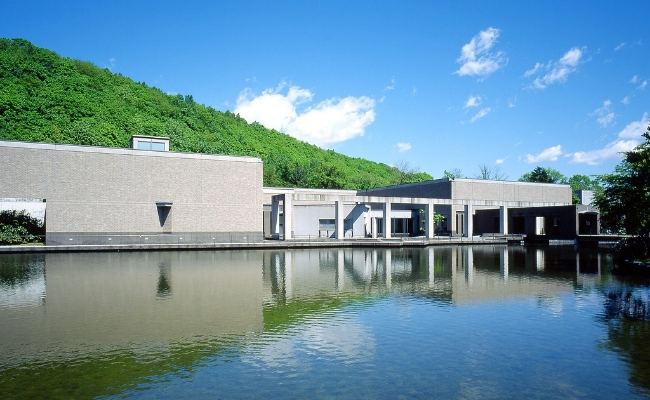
(627, 316)
(164, 288)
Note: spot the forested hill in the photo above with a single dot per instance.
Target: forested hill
(48, 98)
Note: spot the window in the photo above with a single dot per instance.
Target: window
(326, 227)
(326, 224)
(150, 143)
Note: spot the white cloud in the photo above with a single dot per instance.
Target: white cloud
(330, 121)
(612, 150)
(480, 114)
(639, 82)
(550, 154)
(512, 102)
(620, 46)
(555, 71)
(536, 68)
(604, 114)
(572, 57)
(635, 129)
(476, 56)
(627, 139)
(500, 161)
(391, 85)
(626, 100)
(403, 147)
(473, 101)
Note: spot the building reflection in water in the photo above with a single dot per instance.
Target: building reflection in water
(459, 274)
(106, 305)
(214, 293)
(106, 301)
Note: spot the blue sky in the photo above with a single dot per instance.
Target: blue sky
(440, 85)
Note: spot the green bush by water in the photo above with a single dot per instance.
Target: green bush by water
(18, 227)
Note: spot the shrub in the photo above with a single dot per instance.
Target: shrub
(18, 227)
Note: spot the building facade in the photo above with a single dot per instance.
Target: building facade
(96, 195)
(465, 207)
(148, 195)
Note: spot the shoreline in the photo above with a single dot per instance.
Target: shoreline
(266, 244)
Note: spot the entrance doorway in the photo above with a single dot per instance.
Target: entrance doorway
(588, 223)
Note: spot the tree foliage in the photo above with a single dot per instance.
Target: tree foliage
(48, 98)
(409, 174)
(624, 201)
(550, 175)
(18, 227)
(452, 174)
(583, 182)
(543, 175)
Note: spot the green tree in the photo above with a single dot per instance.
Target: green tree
(624, 201)
(17, 227)
(543, 175)
(453, 174)
(582, 182)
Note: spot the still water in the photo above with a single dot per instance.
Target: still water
(445, 322)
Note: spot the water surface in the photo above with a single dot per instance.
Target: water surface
(446, 322)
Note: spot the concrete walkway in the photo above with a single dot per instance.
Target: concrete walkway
(266, 244)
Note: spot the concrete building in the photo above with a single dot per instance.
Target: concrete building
(148, 195)
(466, 207)
(96, 195)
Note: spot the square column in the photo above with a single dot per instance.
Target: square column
(338, 215)
(469, 220)
(503, 220)
(275, 217)
(430, 226)
(387, 220)
(373, 227)
(288, 217)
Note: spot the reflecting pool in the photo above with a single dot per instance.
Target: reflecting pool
(445, 322)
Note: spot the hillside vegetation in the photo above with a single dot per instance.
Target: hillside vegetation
(48, 98)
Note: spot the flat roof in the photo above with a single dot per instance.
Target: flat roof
(508, 182)
(149, 137)
(276, 190)
(124, 151)
(469, 180)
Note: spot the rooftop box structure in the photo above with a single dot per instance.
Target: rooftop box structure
(151, 143)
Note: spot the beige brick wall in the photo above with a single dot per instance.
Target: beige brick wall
(511, 191)
(115, 190)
